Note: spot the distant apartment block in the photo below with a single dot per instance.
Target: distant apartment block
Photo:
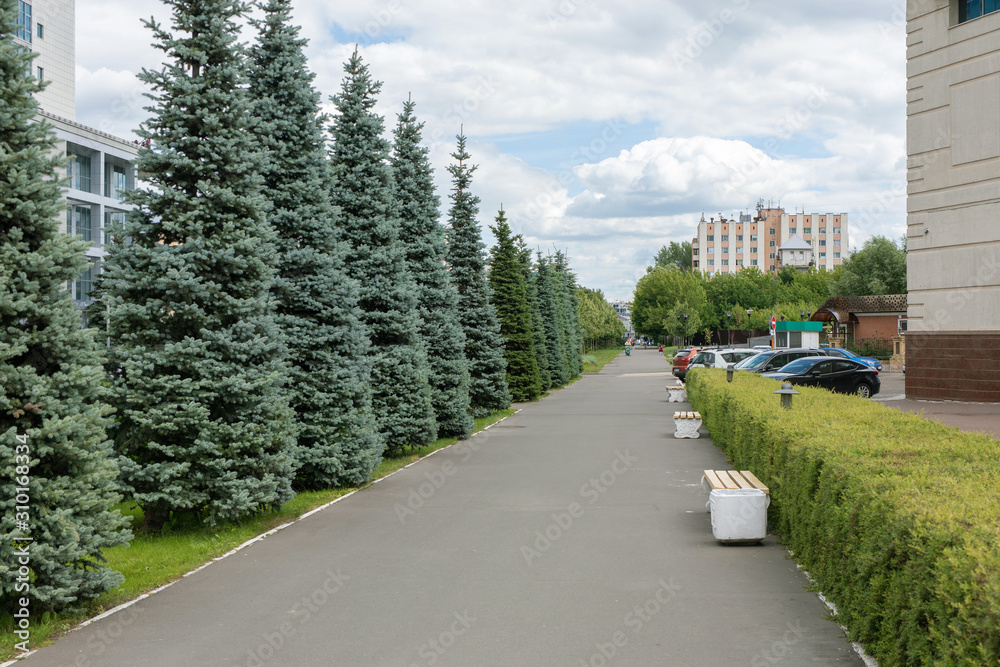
(100, 167)
(953, 200)
(770, 239)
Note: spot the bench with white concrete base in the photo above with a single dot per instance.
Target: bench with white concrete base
(677, 394)
(738, 502)
(686, 424)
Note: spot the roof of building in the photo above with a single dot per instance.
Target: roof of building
(795, 242)
(840, 308)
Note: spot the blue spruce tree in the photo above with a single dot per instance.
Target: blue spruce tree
(364, 190)
(437, 298)
(204, 424)
(483, 343)
(316, 302)
(58, 485)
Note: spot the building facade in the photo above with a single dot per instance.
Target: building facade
(953, 200)
(99, 167)
(770, 239)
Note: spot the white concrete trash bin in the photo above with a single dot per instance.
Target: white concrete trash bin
(739, 515)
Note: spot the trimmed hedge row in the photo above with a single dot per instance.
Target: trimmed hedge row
(895, 517)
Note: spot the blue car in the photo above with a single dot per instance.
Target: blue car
(871, 362)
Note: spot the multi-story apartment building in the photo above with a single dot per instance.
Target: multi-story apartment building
(99, 167)
(953, 200)
(770, 239)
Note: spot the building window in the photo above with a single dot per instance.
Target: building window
(709, 251)
(772, 244)
(973, 9)
(822, 242)
(111, 219)
(753, 262)
(791, 230)
(710, 237)
(694, 252)
(753, 238)
(41, 75)
(22, 28)
(79, 172)
(40, 32)
(771, 268)
(711, 262)
(836, 230)
(807, 230)
(725, 237)
(114, 184)
(78, 222)
(822, 230)
(771, 256)
(771, 231)
(753, 250)
(836, 243)
(695, 264)
(739, 238)
(725, 262)
(822, 255)
(836, 255)
(739, 262)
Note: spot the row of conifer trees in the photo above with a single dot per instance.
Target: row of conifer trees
(280, 309)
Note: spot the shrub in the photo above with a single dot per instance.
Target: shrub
(894, 516)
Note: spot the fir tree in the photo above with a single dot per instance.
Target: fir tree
(573, 329)
(484, 346)
(316, 302)
(204, 424)
(509, 297)
(426, 250)
(364, 191)
(548, 304)
(58, 486)
(534, 306)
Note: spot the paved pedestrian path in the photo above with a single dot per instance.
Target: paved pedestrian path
(573, 533)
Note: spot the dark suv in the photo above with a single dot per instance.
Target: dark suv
(771, 360)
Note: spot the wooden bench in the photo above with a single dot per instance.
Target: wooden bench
(732, 479)
(676, 394)
(686, 424)
(738, 503)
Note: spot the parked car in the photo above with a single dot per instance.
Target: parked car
(871, 362)
(772, 360)
(720, 357)
(841, 375)
(681, 361)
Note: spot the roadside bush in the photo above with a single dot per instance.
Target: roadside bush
(893, 516)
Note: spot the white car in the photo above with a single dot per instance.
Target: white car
(720, 357)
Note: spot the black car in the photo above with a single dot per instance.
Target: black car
(770, 361)
(841, 375)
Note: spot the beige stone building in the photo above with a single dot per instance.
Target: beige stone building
(953, 200)
(770, 239)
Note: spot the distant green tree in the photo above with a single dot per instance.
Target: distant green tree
(437, 298)
(572, 329)
(364, 189)
(509, 297)
(483, 344)
(534, 305)
(878, 268)
(658, 292)
(552, 315)
(204, 426)
(53, 409)
(601, 324)
(676, 254)
(329, 380)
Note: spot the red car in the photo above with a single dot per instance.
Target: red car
(682, 359)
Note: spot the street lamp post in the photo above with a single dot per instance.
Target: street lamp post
(748, 326)
(729, 328)
(685, 331)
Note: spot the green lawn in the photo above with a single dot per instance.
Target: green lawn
(594, 361)
(151, 561)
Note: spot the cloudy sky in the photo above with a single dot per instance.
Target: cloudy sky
(605, 129)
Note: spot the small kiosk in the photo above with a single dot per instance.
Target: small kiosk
(796, 334)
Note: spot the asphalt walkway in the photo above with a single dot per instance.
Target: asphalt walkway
(573, 533)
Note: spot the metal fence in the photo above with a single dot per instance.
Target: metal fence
(880, 348)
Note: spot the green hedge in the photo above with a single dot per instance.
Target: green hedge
(896, 518)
